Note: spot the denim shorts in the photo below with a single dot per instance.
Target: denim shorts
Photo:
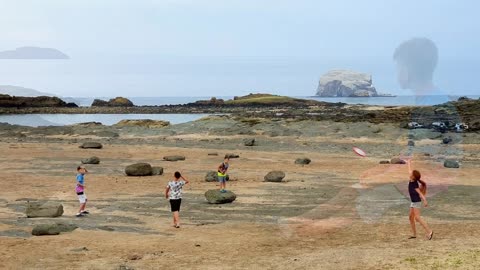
(222, 179)
(416, 205)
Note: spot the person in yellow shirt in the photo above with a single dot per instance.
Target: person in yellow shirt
(222, 174)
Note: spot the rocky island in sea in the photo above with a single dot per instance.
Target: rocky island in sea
(347, 83)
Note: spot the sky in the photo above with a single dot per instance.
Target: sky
(217, 47)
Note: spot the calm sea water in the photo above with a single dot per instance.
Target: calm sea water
(383, 101)
(35, 120)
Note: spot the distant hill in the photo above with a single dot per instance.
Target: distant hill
(21, 91)
(33, 53)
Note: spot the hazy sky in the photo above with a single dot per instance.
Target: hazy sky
(203, 47)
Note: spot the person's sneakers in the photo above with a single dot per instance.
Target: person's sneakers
(85, 212)
(223, 190)
(79, 215)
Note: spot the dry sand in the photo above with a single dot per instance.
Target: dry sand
(339, 212)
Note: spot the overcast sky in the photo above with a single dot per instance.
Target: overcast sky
(312, 36)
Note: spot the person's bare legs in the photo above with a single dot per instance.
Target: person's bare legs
(82, 207)
(176, 218)
(412, 222)
(421, 221)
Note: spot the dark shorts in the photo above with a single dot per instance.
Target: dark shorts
(175, 205)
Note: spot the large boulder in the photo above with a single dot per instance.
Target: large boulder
(274, 176)
(303, 161)
(147, 123)
(52, 229)
(397, 161)
(44, 209)
(346, 83)
(174, 158)
(449, 163)
(91, 145)
(139, 169)
(91, 160)
(215, 196)
(114, 102)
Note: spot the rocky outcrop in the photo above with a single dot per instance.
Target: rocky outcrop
(8, 101)
(114, 102)
(147, 123)
(52, 229)
(215, 196)
(346, 83)
(44, 209)
(274, 176)
(139, 169)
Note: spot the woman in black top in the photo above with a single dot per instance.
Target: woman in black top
(417, 196)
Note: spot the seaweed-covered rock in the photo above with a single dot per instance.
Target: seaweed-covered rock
(114, 102)
(44, 209)
(139, 169)
(91, 145)
(52, 229)
(397, 161)
(91, 160)
(303, 161)
(157, 170)
(449, 163)
(215, 196)
(174, 158)
(249, 142)
(146, 123)
(230, 155)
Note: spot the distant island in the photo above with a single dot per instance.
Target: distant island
(33, 53)
(347, 83)
(21, 91)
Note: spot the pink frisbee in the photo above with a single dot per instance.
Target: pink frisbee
(359, 152)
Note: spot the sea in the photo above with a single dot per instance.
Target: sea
(35, 120)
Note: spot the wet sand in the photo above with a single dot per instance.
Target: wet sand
(339, 212)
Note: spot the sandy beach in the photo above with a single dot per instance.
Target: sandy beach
(339, 212)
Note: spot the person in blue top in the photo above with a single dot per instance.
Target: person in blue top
(80, 190)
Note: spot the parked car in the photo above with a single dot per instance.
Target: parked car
(439, 126)
(414, 125)
(460, 127)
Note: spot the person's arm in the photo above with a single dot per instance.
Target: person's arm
(167, 190)
(186, 181)
(424, 200)
(220, 168)
(409, 162)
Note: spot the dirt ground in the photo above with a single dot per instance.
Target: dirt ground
(340, 212)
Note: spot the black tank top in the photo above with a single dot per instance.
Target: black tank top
(414, 196)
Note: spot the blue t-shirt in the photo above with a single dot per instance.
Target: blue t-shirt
(80, 178)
